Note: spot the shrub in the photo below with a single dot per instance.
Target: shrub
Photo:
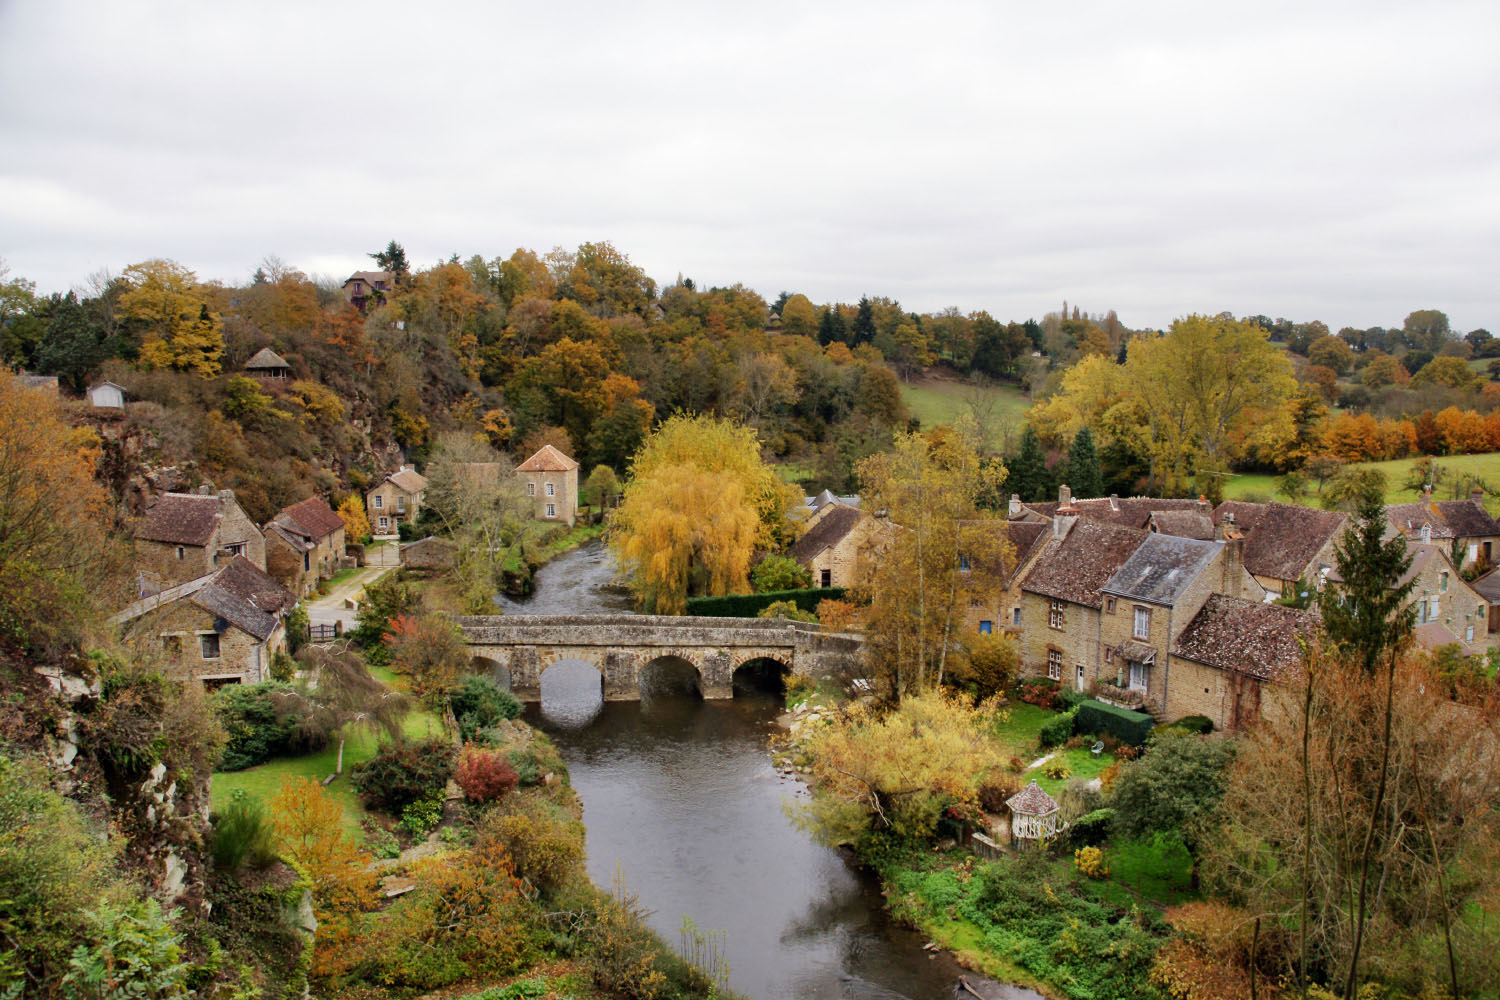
(750, 605)
(836, 615)
(788, 610)
(1038, 691)
(1089, 861)
(256, 730)
(544, 843)
(996, 789)
(1068, 697)
(421, 817)
(1057, 770)
(1199, 724)
(777, 572)
(242, 834)
(478, 703)
(1016, 765)
(485, 775)
(1057, 729)
(403, 772)
(1091, 828)
(134, 952)
(1129, 727)
(283, 667)
(298, 630)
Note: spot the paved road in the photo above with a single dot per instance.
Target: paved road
(381, 557)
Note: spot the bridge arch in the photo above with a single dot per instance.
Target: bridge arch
(570, 690)
(492, 668)
(762, 673)
(669, 673)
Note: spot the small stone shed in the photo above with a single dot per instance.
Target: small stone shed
(1033, 814)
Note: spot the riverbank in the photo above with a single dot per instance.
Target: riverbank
(538, 545)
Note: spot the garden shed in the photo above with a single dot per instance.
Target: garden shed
(1033, 813)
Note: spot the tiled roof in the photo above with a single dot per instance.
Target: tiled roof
(1449, 518)
(311, 517)
(1248, 637)
(1160, 568)
(1488, 586)
(1246, 514)
(295, 539)
(1129, 512)
(547, 459)
(267, 358)
(829, 531)
(1286, 537)
(180, 519)
(1076, 567)
(370, 277)
(1032, 801)
(239, 593)
(409, 480)
(1183, 524)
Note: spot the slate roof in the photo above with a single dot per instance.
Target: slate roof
(827, 497)
(828, 532)
(1183, 524)
(181, 519)
(311, 518)
(1160, 568)
(1248, 637)
(1077, 566)
(1488, 586)
(1129, 512)
(547, 459)
(1286, 537)
(1449, 518)
(238, 593)
(267, 358)
(1032, 801)
(408, 479)
(1246, 514)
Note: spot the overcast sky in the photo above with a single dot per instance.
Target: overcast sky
(1329, 161)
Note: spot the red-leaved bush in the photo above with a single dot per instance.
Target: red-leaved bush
(484, 774)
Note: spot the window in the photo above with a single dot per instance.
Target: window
(306, 561)
(1055, 614)
(1142, 628)
(1109, 605)
(1473, 551)
(1432, 614)
(171, 645)
(1443, 582)
(552, 510)
(551, 490)
(181, 552)
(210, 643)
(1138, 676)
(1469, 634)
(384, 523)
(825, 578)
(237, 549)
(379, 501)
(401, 505)
(1015, 617)
(1054, 664)
(531, 489)
(963, 562)
(988, 627)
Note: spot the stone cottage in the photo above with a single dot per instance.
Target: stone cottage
(1463, 524)
(835, 547)
(185, 536)
(1026, 540)
(551, 480)
(222, 628)
(397, 498)
(1225, 663)
(304, 544)
(1284, 543)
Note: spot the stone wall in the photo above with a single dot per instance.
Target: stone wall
(564, 497)
(1077, 641)
(174, 630)
(392, 499)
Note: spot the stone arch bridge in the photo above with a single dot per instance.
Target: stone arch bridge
(620, 647)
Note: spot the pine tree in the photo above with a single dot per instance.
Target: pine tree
(1084, 476)
(1366, 616)
(1028, 470)
(864, 322)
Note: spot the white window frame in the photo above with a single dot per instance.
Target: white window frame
(1054, 664)
(1055, 617)
(385, 523)
(1140, 626)
(551, 489)
(531, 489)
(1469, 633)
(552, 510)
(1139, 678)
(379, 501)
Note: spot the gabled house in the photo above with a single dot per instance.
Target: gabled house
(551, 480)
(1448, 609)
(397, 498)
(815, 507)
(836, 549)
(184, 536)
(221, 628)
(1284, 543)
(1149, 601)
(107, 396)
(1026, 540)
(1464, 527)
(1222, 662)
(363, 287)
(304, 544)
(1060, 596)
(1126, 512)
(266, 363)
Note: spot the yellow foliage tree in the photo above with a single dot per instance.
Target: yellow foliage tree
(356, 521)
(178, 328)
(699, 504)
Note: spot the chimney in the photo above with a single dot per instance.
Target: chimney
(1427, 492)
(1064, 495)
(1477, 495)
(1015, 505)
(1061, 526)
(1114, 501)
(1233, 581)
(227, 495)
(1225, 529)
(1204, 505)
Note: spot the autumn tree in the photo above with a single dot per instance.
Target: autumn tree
(1331, 352)
(356, 521)
(473, 491)
(937, 554)
(799, 316)
(1383, 371)
(430, 651)
(339, 695)
(700, 503)
(170, 310)
(601, 488)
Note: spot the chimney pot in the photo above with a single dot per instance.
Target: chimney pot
(1015, 504)
(205, 490)
(1114, 501)
(1064, 495)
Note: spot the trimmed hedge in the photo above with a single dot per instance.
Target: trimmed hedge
(750, 605)
(1056, 730)
(1127, 726)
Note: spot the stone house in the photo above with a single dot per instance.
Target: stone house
(1147, 603)
(1060, 596)
(363, 287)
(1488, 587)
(836, 549)
(1449, 609)
(304, 544)
(430, 553)
(1284, 543)
(185, 536)
(1471, 535)
(551, 480)
(1225, 663)
(222, 628)
(397, 498)
(813, 508)
(1026, 541)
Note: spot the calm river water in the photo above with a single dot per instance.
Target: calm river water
(679, 796)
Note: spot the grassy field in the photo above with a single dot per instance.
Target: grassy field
(1081, 763)
(265, 780)
(936, 401)
(1486, 467)
(1018, 736)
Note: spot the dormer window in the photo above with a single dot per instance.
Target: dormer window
(1426, 534)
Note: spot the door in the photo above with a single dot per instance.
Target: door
(1080, 676)
(1137, 676)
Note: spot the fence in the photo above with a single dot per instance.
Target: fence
(323, 633)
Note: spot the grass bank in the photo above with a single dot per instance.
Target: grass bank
(1486, 467)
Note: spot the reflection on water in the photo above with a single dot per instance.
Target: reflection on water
(580, 582)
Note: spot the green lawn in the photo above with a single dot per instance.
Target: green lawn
(265, 780)
(939, 401)
(1081, 764)
(1486, 467)
(1157, 868)
(1018, 736)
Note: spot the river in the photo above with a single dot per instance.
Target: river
(679, 796)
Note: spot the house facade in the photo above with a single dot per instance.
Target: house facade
(222, 628)
(1448, 609)
(185, 536)
(364, 287)
(1025, 541)
(304, 544)
(551, 480)
(397, 498)
(837, 548)
(1226, 663)
(1461, 525)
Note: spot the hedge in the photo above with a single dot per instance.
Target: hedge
(1056, 730)
(750, 605)
(1127, 726)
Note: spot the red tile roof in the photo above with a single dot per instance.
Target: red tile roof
(311, 517)
(548, 459)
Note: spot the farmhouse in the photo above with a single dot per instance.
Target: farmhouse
(304, 544)
(551, 480)
(185, 536)
(397, 498)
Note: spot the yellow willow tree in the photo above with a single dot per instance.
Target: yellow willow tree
(938, 553)
(700, 503)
